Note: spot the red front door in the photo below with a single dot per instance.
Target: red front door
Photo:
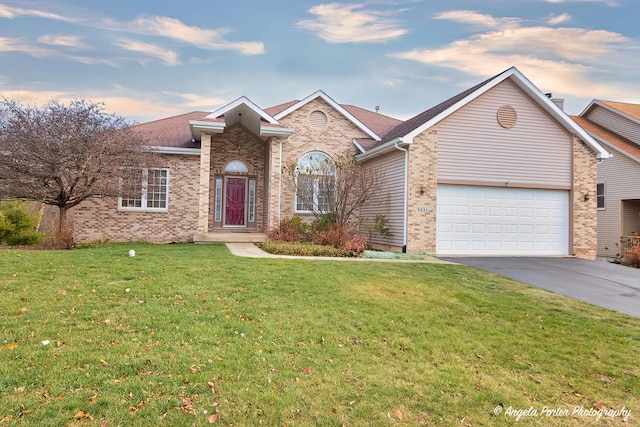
(234, 202)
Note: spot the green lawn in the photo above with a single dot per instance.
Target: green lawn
(191, 335)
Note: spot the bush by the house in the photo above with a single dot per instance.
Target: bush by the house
(18, 224)
(356, 245)
(302, 249)
(307, 239)
(630, 251)
(290, 230)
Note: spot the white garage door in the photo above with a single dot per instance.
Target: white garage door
(474, 220)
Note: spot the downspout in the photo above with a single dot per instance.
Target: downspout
(406, 195)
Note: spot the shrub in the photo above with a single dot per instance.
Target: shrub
(18, 224)
(290, 230)
(356, 245)
(63, 236)
(323, 222)
(302, 249)
(631, 257)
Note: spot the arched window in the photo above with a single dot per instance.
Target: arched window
(315, 183)
(236, 166)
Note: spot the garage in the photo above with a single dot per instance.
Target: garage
(478, 220)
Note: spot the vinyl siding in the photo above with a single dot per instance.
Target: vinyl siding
(391, 199)
(615, 123)
(474, 148)
(621, 176)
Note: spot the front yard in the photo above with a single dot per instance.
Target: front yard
(191, 335)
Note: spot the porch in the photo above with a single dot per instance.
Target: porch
(630, 227)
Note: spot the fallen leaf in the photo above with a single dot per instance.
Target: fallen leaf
(104, 423)
(81, 414)
(398, 414)
(479, 357)
(24, 310)
(93, 399)
(103, 362)
(307, 371)
(213, 418)
(132, 410)
(12, 346)
(18, 389)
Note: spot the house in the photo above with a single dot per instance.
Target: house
(616, 126)
(498, 169)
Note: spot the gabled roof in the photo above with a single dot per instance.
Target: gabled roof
(320, 94)
(405, 132)
(242, 101)
(244, 112)
(606, 136)
(627, 110)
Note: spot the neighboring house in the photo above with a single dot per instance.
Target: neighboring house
(616, 125)
(498, 169)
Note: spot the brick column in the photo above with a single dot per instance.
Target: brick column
(203, 190)
(584, 215)
(423, 191)
(275, 179)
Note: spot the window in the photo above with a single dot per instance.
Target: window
(236, 166)
(154, 192)
(315, 183)
(218, 207)
(600, 195)
(252, 200)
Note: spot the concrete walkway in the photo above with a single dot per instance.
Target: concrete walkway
(249, 250)
(600, 283)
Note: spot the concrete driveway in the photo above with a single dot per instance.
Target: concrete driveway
(601, 283)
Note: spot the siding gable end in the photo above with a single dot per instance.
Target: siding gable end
(474, 147)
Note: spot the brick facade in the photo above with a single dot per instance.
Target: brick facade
(333, 139)
(237, 143)
(583, 201)
(422, 192)
(99, 218)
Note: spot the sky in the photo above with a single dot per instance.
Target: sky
(149, 59)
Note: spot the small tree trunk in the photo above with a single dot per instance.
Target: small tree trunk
(63, 235)
(62, 220)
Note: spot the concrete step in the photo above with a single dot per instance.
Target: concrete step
(230, 237)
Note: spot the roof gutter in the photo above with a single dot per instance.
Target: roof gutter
(175, 150)
(387, 146)
(274, 131)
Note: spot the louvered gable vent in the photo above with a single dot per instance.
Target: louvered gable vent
(318, 119)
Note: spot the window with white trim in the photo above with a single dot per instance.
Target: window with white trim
(154, 192)
(252, 200)
(315, 183)
(600, 193)
(218, 207)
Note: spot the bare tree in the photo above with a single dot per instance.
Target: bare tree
(62, 154)
(337, 186)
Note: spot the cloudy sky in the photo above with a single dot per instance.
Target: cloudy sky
(148, 59)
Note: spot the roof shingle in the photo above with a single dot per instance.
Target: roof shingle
(609, 136)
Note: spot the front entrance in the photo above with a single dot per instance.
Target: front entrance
(235, 207)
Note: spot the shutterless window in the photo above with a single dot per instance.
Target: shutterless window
(252, 200)
(218, 208)
(154, 192)
(315, 183)
(600, 196)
